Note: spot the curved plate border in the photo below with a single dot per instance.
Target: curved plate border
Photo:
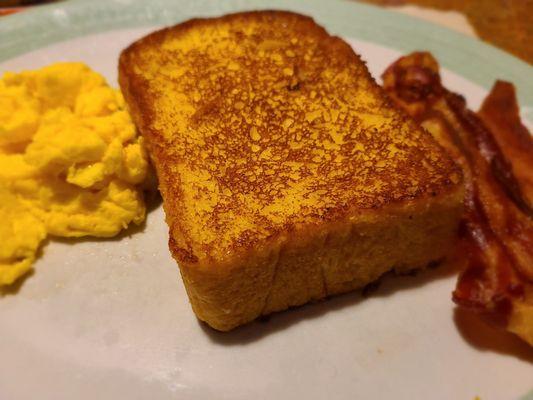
(471, 58)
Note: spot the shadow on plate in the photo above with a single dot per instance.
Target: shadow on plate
(14, 288)
(386, 286)
(484, 337)
(152, 201)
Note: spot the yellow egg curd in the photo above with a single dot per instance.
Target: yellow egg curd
(70, 162)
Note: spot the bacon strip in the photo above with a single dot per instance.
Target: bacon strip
(497, 227)
(500, 113)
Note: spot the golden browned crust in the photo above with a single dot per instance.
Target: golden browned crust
(326, 260)
(264, 128)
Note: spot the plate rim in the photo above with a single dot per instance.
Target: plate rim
(39, 20)
(471, 58)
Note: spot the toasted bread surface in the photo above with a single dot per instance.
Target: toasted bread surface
(269, 135)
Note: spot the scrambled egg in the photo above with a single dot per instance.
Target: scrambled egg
(70, 162)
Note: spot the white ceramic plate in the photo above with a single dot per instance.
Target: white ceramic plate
(110, 319)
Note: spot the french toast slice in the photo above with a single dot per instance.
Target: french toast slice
(286, 174)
